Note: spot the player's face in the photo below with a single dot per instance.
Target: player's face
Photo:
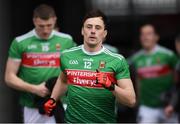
(177, 44)
(148, 37)
(94, 31)
(44, 27)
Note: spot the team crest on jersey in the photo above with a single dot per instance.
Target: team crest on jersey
(102, 64)
(73, 62)
(58, 46)
(158, 60)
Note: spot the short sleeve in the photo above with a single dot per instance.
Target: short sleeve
(15, 50)
(122, 69)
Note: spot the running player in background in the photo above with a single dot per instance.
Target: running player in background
(34, 58)
(154, 66)
(93, 77)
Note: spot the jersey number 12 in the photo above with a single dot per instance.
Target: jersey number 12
(87, 65)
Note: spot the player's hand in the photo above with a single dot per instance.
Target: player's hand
(168, 111)
(49, 106)
(41, 90)
(103, 79)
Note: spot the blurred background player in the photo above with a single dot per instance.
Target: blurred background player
(177, 45)
(111, 48)
(91, 92)
(33, 59)
(154, 67)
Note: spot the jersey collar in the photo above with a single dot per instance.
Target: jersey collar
(92, 53)
(154, 50)
(37, 36)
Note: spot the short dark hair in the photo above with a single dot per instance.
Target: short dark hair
(44, 11)
(96, 13)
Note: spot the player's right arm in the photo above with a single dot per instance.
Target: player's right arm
(15, 82)
(12, 68)
(59, 90)
(60, 87)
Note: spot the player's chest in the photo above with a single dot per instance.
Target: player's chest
(82, 70)
(39, 54)
(148, 61)
(90, 63)
(152, 66)
(42, 47)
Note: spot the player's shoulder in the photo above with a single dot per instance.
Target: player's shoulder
(164, 50)
(135, 57)
(24, 36)
(113, 55)
(62, 35)
(138, 54)
(72, 50)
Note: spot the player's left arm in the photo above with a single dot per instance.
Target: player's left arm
(123, 89)
(124, 92)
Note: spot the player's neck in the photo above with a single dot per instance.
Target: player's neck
(150, 49)
(40, 36)
(89, 48)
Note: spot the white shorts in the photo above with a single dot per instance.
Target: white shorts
(154, 115)
(32, 115)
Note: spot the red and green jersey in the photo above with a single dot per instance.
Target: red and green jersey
(87, 101)
(40, 59)
(155, 74)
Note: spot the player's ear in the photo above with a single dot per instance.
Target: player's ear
(157, 37)
(82, 31)
(34, 21)
(105, 33)
(55, 18)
